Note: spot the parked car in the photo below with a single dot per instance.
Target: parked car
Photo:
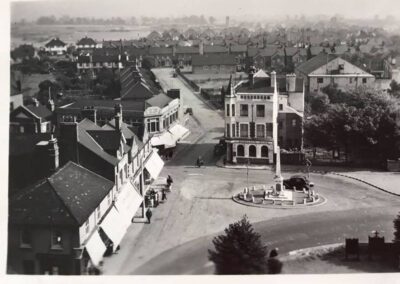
(189, 110)
(298, 182)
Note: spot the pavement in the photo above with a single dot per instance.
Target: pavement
(200, 207)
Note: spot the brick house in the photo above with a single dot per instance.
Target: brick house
(214, 64)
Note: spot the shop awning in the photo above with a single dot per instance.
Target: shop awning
(128, 203)
(166, 139)
(113, 228)
(154, 165)
(178, 131)
(95, 248)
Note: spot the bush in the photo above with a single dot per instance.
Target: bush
(239, 251)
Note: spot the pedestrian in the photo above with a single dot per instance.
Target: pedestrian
(169, 180)
(163, 195)
(148, 215)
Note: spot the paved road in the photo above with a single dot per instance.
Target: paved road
(200, 206)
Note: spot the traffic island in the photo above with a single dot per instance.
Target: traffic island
(260, 196)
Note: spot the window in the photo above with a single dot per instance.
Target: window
(260, 111)
(233, 130)
(294, 122)
(260, 130)
(21, 129)
(244, 110)
(56, 240)
(244, 130)
(364, 80)
(233, 110)
(26, 238)
(228, 130)
(252, 151)
(320, 80)
(227, 110)
(153, 125)
(264, 151)
(341, 66)
(280, 106)
(240, 150)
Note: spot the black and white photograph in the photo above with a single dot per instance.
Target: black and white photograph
(201, 137)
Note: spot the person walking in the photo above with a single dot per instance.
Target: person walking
(163, 195)
(148, 215)
(169, 180)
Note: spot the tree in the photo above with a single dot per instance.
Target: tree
(396, 223)
(394, 89)
(24, 51)
(239, 250)
(44, 88)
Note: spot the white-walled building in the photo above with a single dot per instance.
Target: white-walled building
(325, 69)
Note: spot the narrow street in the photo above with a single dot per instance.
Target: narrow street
(200, 206)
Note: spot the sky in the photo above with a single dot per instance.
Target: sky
(31, 10)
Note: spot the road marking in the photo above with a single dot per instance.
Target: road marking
(195, 174)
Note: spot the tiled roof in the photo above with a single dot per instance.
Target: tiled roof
(268, 51)
(86, 41)
(263, 85)
(252, 51)
(213, 59)
(109, 140)
(215, 49)
(68, 197)
(315, 62)
(139, 91)
(55, 42)
(187, 50)
(40, 111)
(104, 105)
(290, 51)
(161, 100)
(239, 48)
(160, 50)
(125, 128)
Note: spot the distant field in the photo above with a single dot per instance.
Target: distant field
(214, 80)
(39, 35)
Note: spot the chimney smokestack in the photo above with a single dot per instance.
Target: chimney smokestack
(89, 112)
(291, 83)
(273, 78)
(118, 116)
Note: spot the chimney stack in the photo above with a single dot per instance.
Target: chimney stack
(291, 83)
(201, 48)
(251, 77)
(118, 116)
(89, 112)
(273, 78)
(47, 152)
(69, 142)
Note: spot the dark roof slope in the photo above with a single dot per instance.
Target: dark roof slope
(86, 41)
(160, 100)
(316, 62)
(55, 42)
(213, 59)
(139, 91)
(40, 111)
(23, 144)
(215, 49)
(109, 140)
(68, 197)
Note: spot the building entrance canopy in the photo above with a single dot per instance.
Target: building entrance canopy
(113, 227)
(154, 165)
(127, 204)
(95, 248)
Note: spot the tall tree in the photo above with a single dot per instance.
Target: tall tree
(239, 250)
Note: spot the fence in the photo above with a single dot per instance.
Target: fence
(190, 83)
(213, 96)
